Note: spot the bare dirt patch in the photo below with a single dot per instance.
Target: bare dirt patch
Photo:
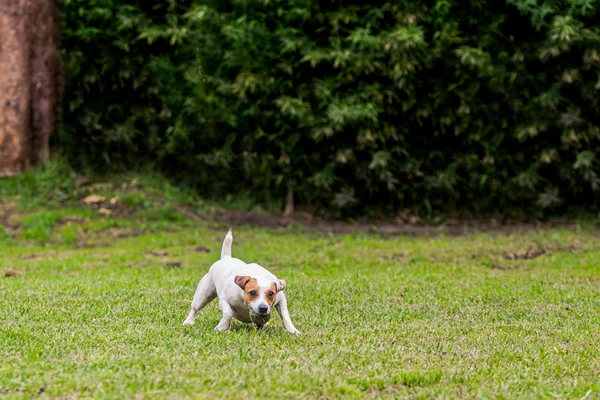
(12, 273)
(505, 267)
(202, 249)
(69, 220)
(123, 233)
(384, 228)
(536, 250)
(529, 254)
(158, 253)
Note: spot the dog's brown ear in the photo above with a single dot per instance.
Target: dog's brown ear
(242, 281)
(280, 284)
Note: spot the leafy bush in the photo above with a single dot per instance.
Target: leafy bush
(441, 106)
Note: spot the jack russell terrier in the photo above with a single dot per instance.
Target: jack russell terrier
(246, 292)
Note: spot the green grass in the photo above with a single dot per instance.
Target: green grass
(405, 317)
(57, 184)
(96, 311)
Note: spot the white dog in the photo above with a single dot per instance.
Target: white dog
(246, 292)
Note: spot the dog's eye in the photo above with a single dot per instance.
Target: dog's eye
(271, 294)
(252, 293)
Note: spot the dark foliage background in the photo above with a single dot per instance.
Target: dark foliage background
(445, 106)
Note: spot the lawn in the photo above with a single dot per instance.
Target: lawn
(96, 279)
(482, 315)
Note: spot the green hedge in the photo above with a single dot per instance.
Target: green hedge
(437, 106)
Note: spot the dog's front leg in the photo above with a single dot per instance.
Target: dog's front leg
(225, 323)
(282, 309)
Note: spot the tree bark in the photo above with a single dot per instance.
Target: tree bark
(288, 211)
(31, 81)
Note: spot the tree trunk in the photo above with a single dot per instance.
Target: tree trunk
(288, 211)
(31, 81)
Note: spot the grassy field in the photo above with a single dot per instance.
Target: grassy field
(404, 317)
(92, 303)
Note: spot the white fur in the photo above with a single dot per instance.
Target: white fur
(219, 283)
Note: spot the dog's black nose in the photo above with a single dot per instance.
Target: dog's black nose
(263, 309)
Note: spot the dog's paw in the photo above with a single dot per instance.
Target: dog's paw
(220, 328)
(295, 332)
(188, 321)
(259, 327)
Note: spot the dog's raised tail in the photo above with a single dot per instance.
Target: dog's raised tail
(226, 249)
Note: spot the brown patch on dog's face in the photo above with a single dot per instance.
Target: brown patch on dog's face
(271, 294)
(242, 281)
(251, 290)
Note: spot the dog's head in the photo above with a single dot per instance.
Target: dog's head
(259, 296)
